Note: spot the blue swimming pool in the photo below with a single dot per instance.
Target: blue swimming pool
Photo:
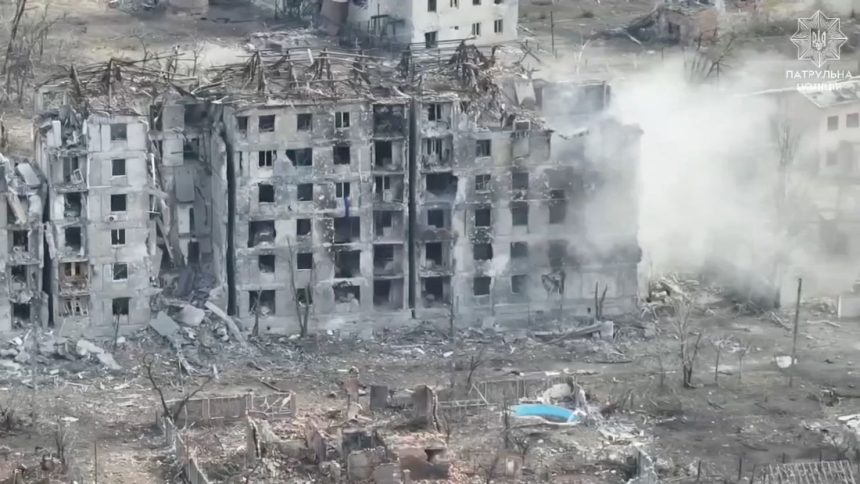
(549, 412)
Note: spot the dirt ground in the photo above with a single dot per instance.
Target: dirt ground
(744, 420)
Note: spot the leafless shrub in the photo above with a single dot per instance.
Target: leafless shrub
(689, 340)
(172, 413)
(64, 438)
(9, 419)
(475, 361)
(489, 468)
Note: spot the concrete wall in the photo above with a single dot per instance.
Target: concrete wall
(579, 244)
(261, 157)
(452, 19)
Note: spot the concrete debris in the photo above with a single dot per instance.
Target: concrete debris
(167, 328)
(234, 330)
(86, 348)
(191, 316)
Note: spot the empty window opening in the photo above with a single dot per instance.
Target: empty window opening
(118, 203)
(117, 237)
(476, 2)
(120, 271)
(72, 270)
(191, 149)
(341, 119)
(261, 302)
(436, 218)
(476, 29)
(242, 124)
(305, 261)
(72, 170)
(433, 254)
(482, 251)
(304, 122)
(498, 26)
(301, 157)
(21, 239)
(382, 187)
(436, 290)
(519, 250)
(305, 192)
(120, 306)
(72, 205)
(430, 40)
(347, 293)
(431, 5)
(519, 214)
(382, 220)
(482, 183)
(303, 227)
(156, 115)
(483, 217)
(266, 193)
(72, 236)
(117, 167)
(382, 153)
(341, 190)
(832, 123)
(389, 119)
(266, 263)
(519, 284)
(347, 263)
(557, 254)
(482, 147)
(266, 123)
(304, 296)
(261, 232)
(557, 207)
(455, 3)
(481, 286)
(347, 229)
(441, 183)
(831, 158)
(434, 112)
(341, 155)
(385, 295)
(20, 314)
(520, 180)
(118, 132)
(74, 306)
(19, 274)
(266, 158)
(193, 252)
(194, 114)
(852, 120)
(383, 257)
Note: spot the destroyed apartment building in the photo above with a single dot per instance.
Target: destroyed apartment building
(329, 190)
(22, 300)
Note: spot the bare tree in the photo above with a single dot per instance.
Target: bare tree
(786, 142)
(720, 345)
(598, 302)
(475, 361)
(490, 467)
(452, 317)
(689, 340)
(302, 305)
(171, 413)
(741, 352)
(64, 438)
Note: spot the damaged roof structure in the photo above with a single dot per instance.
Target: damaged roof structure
(319, 188)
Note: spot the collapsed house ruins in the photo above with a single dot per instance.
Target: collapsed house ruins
(327, 188)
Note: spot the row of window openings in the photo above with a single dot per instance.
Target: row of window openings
(71, 270)
(519, 215)
(851, 121)
(305, 191)
(431, 39)
(433, 252)
(519, 182)
(304, 122)
(431, 4)
(481, 284)
(79, 306)
(72, 237)
(346, 229)
(341, 155)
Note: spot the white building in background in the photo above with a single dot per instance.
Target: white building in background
(430, 22)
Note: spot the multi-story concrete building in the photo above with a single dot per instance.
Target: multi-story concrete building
(100, 232)
(431, 22)
(320, 209)
(359, 203)
(506, 224)
(22, 300)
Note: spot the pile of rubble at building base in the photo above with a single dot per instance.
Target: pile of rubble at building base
(36, 348)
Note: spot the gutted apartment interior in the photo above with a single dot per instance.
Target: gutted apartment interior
(22, 299)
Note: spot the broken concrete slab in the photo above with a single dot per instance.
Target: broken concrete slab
(234, 330)
(85, 348)
(107, 360)
(10, 353)
(190, 315)
(166, 327)
(29, 174)
(361, 464)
